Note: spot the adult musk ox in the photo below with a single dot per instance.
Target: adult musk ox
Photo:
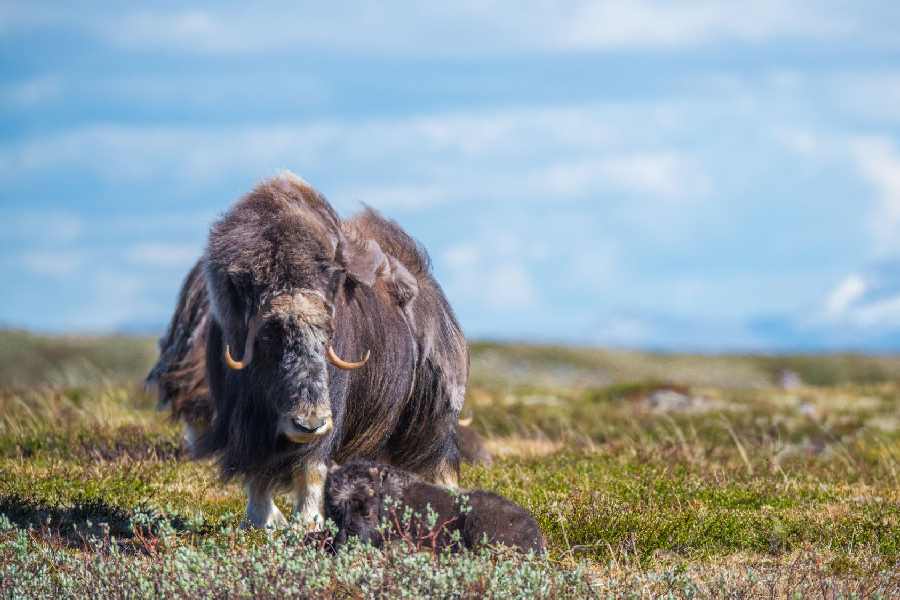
(301, 339)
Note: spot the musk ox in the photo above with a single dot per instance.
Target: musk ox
(368, 501)
(252, 360)
(472, 448)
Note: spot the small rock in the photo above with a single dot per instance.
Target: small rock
(809, 410)
(669, 401)
(789, 380)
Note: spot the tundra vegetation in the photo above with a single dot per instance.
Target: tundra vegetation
(650, 474)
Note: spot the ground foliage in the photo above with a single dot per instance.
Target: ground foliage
(651, 475)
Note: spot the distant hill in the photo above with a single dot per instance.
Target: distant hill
(28, 359)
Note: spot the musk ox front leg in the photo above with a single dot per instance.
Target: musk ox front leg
(309, 493)
(261, 510)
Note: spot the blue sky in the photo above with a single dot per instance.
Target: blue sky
(686, 175)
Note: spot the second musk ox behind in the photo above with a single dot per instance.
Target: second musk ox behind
(253, 357)
(370, 501)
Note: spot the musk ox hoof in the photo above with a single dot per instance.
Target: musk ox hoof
(311, 521)
(256, 520)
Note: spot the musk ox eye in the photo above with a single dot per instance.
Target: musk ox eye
(268, 338)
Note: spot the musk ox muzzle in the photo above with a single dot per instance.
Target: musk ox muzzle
(306, 424)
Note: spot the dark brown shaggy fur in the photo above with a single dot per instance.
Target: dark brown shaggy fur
(180, 373)
(362, 495)
(284, 240)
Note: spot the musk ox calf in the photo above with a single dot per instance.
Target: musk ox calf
(252, 359)
(369, 501)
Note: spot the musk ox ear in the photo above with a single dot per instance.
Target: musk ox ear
(362, 260)
(225, 304)
(402, 283)
(365, 262)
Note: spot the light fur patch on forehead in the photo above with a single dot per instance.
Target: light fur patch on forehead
(307, 306)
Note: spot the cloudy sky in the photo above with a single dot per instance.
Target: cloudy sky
(687, 175)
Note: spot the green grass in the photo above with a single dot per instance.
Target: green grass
(649, 474)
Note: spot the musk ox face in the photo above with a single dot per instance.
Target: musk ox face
(273, 266)
(356, 512)
(291, 344)
(354, 499)
(285, 344)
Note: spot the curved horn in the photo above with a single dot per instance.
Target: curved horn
(340, 363)
(237, 365)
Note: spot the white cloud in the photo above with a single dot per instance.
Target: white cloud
(164, 255)
(56, 227)
(625, 331)
(117, 298)
(509, 285)
(55, 264)
(589, 269)
(459, 28)
(192, 28)
(31, 92)
(867, 94)
(462, 256)
(663, 175)
(491, 273)
(129, 153)
(869, 303)
(871, 94)
(669, 24)
(632, 137)
(806, 143)
(398, 197)
(845, 295)
(863, 302)
(496, 270)
(884, 313)
(879, 163)
(537, 154)
(170, 91)
(666, 175)
(865, 314)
